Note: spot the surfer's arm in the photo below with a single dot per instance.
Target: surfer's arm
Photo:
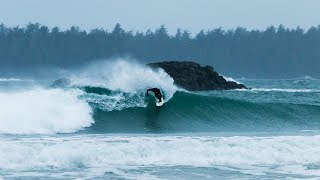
(148, 92)
(152, 89)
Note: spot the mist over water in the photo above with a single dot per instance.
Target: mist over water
(104, 126)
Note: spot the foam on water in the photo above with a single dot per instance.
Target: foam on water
(230, 79)
(129, 80)
(279, 90)
(10, 79)
(290, 155)
(43, 111)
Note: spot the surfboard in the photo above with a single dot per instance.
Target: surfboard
(159, 103)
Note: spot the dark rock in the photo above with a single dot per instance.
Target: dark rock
(61, 83)
(194, 77)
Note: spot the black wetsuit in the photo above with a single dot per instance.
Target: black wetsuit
(157, 93)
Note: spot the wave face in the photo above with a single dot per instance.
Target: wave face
(117, 96)
(187, 112)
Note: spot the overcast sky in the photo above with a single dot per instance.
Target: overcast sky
(141, 15)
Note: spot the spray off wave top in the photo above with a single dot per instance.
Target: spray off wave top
(124, 84)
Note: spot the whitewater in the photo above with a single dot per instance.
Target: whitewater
(103, 126)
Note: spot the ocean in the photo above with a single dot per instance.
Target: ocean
(103, 126)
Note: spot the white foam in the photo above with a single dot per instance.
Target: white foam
(249, 155)
(279, 90)
(125, 76)
(40, 111)
(284, 90)
(308, 77)
(10, 79)
(128, 77)
(230, 79)
(117, 101)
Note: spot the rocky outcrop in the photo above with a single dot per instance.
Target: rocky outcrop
(194, 77)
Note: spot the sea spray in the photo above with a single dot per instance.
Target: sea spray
(128, 82)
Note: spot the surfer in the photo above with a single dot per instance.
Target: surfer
(157, 93)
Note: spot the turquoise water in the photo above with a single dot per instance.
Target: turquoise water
(104, 130)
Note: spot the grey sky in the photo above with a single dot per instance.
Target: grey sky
(141, 15)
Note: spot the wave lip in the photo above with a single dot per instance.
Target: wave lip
(40, 111)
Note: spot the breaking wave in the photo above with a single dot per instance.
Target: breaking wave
(43, 111)
(289, 155)
(110, 97)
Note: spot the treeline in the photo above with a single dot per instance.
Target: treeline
(273, 52)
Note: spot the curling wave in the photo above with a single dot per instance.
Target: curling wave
(189, 112)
